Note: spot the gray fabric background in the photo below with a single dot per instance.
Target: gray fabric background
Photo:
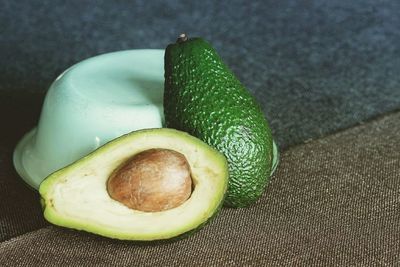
(317, 67)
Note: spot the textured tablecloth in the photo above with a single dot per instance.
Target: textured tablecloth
(327, 74)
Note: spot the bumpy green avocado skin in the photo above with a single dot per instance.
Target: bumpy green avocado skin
(204, 98)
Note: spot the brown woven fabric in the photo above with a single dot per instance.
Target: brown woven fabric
(19, 209)
(334, 201)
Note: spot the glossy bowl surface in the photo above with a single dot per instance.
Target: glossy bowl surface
(91, 103)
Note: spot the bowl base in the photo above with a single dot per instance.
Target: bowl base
(18, 160)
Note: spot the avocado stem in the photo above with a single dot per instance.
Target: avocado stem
(182, 38)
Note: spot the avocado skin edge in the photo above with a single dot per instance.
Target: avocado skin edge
(203, 97)
(56, 219)
(147, 242)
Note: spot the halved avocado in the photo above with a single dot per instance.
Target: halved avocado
(77, 197)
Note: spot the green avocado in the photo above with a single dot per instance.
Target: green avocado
(77, 197)
(204, 98)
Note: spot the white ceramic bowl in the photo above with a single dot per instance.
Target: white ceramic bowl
(91, 103)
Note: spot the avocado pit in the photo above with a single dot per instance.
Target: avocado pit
(152, 180)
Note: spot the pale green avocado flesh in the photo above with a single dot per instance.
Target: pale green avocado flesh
(76, 196)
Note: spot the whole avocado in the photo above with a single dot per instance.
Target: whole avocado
(203, 97)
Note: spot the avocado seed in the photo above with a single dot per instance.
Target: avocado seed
(152, 180)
